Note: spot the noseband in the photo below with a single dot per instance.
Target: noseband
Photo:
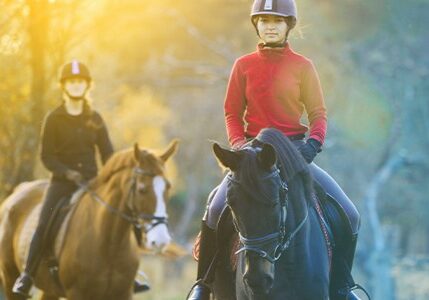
(279, 241)
(135, 217)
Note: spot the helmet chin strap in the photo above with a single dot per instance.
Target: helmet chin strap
(275, 45)
(76, 98)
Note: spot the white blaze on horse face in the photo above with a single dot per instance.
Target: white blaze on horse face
(158, 237)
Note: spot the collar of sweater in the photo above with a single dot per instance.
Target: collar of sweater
(272, 52)
(62, 110)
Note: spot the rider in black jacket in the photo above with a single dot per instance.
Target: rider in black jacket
(70, 136)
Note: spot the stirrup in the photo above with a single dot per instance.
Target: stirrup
(142, 285)
(349, 290)
(204, 287)
(23, 285)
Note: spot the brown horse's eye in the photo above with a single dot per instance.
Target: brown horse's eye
(142, 189)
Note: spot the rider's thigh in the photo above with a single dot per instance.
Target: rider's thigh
(332, 188)
(216, 205)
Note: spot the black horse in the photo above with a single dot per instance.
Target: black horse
(283, 252)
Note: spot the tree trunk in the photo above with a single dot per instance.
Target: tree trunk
(380, 259)
(37, 31)
(189, 210)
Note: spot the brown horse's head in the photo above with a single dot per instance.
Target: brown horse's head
(139, 175)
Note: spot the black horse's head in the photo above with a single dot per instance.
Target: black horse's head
(256, 195)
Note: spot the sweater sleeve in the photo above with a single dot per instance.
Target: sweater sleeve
(104, 144)
(234, 106)
(48, 148)
(312, 98)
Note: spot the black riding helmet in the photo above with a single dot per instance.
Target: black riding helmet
(75, 69)
(283, 8)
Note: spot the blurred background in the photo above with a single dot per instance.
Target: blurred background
(160, 70)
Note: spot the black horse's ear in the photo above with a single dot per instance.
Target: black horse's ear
(267, 157)
(137, 154)
(227, 158)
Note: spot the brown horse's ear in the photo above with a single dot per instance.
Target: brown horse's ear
(229, 159)
(171, 149)
(137, 152)
(267, 158)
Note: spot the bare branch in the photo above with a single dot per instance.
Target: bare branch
(193, 31)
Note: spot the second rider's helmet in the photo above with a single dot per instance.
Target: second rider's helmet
(75, 69)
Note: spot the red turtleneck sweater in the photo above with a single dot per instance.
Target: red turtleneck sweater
(271, 88)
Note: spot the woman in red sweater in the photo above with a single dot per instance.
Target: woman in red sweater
(272, 87)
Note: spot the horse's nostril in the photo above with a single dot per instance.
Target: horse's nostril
(269, 281)
(259, 284)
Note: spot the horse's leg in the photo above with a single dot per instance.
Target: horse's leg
(80, 295)
(125, 296)
(75, 295)
(45, 296)
(9, 281)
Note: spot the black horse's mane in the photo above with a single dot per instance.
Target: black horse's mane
(289, 160)
(293, 168)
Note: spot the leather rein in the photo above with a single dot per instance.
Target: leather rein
(277, 241)
(138, 220)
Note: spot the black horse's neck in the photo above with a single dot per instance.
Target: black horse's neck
(298, 202)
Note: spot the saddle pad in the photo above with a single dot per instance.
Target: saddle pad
(324, 226)
(30, 225)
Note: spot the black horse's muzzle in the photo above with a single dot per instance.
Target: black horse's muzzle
(259, 274)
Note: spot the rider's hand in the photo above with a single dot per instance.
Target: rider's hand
(74, 176)
(310, 149)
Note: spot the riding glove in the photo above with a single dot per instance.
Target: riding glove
(310, 149)
(74, 176)
(239, 144)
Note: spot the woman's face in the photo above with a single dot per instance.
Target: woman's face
(76, 87)
(272, 29)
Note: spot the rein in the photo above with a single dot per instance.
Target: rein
(282, 240)
(133, 218)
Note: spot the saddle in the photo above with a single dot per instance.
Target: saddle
(57, 229)
(332, 217)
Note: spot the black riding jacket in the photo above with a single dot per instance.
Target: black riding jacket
(68, 142)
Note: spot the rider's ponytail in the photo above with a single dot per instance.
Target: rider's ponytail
(91, 121)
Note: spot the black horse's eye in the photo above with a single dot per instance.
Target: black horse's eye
(229, 199)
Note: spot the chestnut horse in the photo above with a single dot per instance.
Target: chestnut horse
(98, 256)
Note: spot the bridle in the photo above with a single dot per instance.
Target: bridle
(278, 241)
(137, 219)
